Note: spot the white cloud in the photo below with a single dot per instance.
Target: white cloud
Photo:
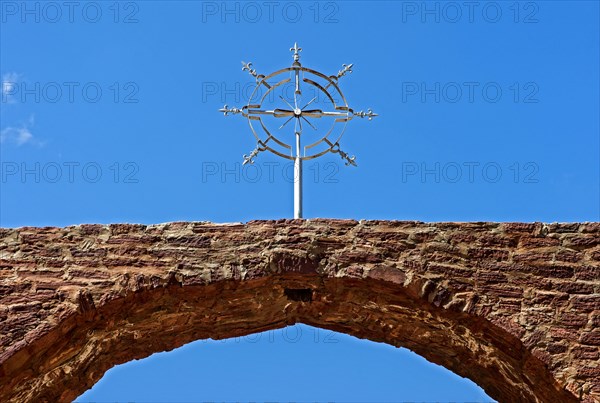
(9, 82)
(17, 135)
(20, 135)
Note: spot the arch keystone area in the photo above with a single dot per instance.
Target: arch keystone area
(515, 307)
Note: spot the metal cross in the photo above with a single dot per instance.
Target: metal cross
(327, 87)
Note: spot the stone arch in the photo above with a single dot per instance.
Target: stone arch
(491, 302)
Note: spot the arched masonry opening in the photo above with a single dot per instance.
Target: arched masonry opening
(515, 307)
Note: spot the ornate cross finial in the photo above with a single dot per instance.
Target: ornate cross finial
(296, 51)
(267, 115)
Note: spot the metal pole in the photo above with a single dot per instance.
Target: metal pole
(297, 180)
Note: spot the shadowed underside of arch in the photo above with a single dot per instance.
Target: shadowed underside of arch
(513, 307)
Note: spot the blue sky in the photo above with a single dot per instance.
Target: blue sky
(109, 114)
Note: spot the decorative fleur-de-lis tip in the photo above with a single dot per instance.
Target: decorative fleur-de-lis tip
(349, 160)
(226, 110)
(296, 51)
(346, 68)
(249, 159)
(248, 66)
(368, 114)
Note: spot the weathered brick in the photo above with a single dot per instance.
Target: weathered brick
(587, 272)
(90, 229)
(538, 242)
(586, 353)
(573, 320)
(533, 257)
(591, 338)
(582, 241)
(390, 274)
(566, 255)
(555, 348)
(586, 303)
(571, 287)
(520, 227)
(117, 229)
(89, 253)
(569, 334)
(590, 227)
(488, 254)
(501, 290)
(552, 270)
(497, 241)
(563, 227)
(549, 298)
(490, 277)
(591, 372)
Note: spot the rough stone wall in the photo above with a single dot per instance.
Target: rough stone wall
(513, 306)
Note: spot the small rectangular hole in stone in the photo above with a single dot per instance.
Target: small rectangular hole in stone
(298, 294)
